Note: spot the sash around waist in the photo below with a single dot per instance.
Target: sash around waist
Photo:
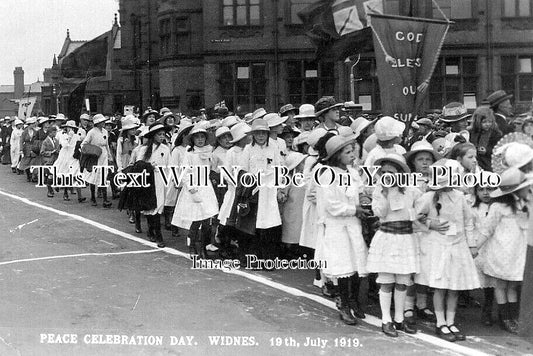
(403, 227)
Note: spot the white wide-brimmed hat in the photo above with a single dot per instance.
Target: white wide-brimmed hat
(60, 117)
(222, 131)
(98, 118)
(335, 144)
(513, 150)
(69, 123)
(360, 124)
(31, 120)
(129, 122)
(306, 111)
(313, 139)
(258, 114)
(388, 128)
(259, 125)
(294, 159)
(239, 131)
(421, 146)
(395, 158)
(512, 180)
(274, 119)
(156, 127)
(85, 117)
(18, 122)
(229, 121)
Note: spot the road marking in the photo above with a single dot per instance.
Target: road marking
(370, 319)
(22, 225)
(77, 255)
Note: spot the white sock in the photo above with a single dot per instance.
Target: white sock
(399, 303)
(385, 301)
(440, 318)
(421, 300)
(450, 318)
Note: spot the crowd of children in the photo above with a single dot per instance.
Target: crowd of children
(422, 240)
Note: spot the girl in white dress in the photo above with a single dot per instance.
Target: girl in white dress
(98, 136)
(393, 252)
(197, 204)
(342, 248)
(447, 264)
(503, 253)
(66, 164)
(14, 141)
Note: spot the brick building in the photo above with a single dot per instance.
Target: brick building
(187, 54)
(9, 94)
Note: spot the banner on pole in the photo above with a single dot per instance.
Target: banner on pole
(407, 50)
(26, 107)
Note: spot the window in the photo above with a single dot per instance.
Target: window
(453, 9)
(164, 36)
(183, 36)
(516, 8)
(517, 76)
(366, 85)
(295, 6)
(93, 103)
(136, 24)
(308, 81)
(241, 12)
(118, 103)
(243, 84)
(454, 79)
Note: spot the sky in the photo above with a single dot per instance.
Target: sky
(32, 31)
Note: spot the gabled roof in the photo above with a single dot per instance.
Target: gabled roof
(7, 88)
(28, 88)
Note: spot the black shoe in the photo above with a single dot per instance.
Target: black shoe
(138, 230)
(81, 200)
(107, 204)
(346, 316)
(161, 244)
(445, 336)
(509, 326)
(357, 311)
(426, 314)
(50, 194)
(14, 170)
(486, 317)
(389, 329)
(409, 319)
(459, 336)
(328, 290)
(405, 327)
(93, 202)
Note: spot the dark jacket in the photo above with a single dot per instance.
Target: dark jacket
(243, 214)
(484, 154)
(139, 199)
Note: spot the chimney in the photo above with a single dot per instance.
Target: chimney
(18, 73)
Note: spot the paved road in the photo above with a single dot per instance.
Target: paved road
(76, 280)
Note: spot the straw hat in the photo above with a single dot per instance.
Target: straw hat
(150, 111)
(421, 146)
(98, 118)
(69, 123)
(184, 128)
(346, 132)
(387, 128)
(41, 120)
(513, 150)
(129, 122)
(31, 120)
(513, 179)
(143, 131)
(325, 104)
(314, 137)
(85, 117)
(239, 131)
(60, 117)
(248, 117)
(335, 144)
(274, 119)
(257, 114)
(222, 131)
(424, 121)
(156, 127)
(18, 122)
(286, 108)
(294, 159)
(306, 111)
(454, 112)
(229, 121)
(395, 158)
(198, 128)
(301, 138)
(370, 143)
(360, 124)
(259, 125)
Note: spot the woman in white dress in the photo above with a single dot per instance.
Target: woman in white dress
(98, 136)
(15, 144)
(66, 164)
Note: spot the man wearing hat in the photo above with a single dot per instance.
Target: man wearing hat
(424, 132)
(455, 117)
(289, 111)
(327, 110)
(5, 137)
(500, 103)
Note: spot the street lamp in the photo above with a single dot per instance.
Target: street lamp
(352, 76)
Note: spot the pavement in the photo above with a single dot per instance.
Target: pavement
(77, 280)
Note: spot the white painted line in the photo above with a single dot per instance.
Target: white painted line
(22, 225)
(77, 255)
(371, 320)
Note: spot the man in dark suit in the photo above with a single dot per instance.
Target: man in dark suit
(500, 103)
